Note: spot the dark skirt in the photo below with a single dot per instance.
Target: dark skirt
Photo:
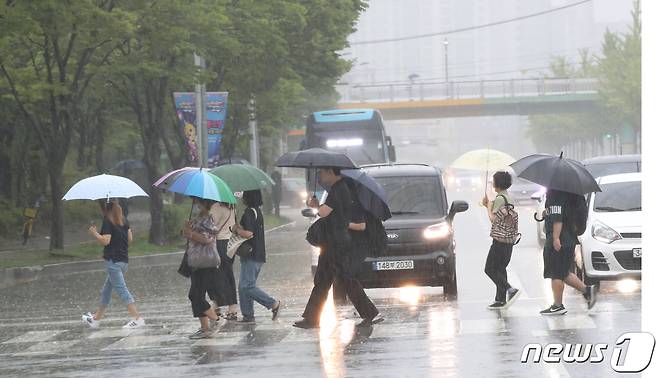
(228, 289)
(558, 264)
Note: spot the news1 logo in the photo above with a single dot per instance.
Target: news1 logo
(632, 352)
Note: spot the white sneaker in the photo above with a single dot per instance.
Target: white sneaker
(135, 323)
(88, 319)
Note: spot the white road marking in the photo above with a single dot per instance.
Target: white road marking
(481, 326)
(34, 336)
(560, 322)
(134, 342)
(48, 347)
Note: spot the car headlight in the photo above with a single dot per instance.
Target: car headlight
(603, 233)
(437, 231)
(302, 194)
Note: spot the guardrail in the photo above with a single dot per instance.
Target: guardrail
(482, 89)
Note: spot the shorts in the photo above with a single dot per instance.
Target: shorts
(558, 265)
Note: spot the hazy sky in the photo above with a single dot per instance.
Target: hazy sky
(519, 49)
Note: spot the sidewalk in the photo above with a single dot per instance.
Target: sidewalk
(22, 274)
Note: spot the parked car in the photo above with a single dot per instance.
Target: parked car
(597, 166)
(611, 248)
(522, 190)
(461, 180)
(421, 245)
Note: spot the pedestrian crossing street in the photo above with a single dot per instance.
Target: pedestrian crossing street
(169, 325)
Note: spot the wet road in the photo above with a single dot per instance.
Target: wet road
(424, 334)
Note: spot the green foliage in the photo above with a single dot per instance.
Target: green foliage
(175, 216)
(11, 220)
(618, 71)
(84, 84)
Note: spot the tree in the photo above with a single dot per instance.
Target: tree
(620, 73)
(49, 52)
(156, 61)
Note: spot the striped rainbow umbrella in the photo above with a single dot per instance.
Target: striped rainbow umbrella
(196, 182)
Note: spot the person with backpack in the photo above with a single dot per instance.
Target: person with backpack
(338, 223)
(504, 234)
(565, 218)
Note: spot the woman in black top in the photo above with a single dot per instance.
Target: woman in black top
(114, 237)
(252, 226)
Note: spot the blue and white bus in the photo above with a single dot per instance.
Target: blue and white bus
(358, 133)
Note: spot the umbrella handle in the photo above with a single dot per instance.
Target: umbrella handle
(537, 219)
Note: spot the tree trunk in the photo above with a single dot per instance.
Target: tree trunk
(55, 167)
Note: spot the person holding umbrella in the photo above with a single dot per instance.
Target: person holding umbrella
(205, 189)
(115, 235)
(334, 260)
(566, 181)
(201, 231)
(240, 178)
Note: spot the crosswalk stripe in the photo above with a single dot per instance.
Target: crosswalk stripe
(34, 336)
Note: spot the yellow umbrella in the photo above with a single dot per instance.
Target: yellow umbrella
(484, 160)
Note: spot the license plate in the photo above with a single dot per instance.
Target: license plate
(637, 253)
(393, 265)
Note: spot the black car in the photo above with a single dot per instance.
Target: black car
(421, 246)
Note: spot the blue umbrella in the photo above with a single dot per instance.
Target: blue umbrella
(370, 194)
(197, 183)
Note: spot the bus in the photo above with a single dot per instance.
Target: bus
(358, 133)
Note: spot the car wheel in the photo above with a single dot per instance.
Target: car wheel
(450, 289)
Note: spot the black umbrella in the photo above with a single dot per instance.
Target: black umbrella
(556, 172)
(369, 193)
(315, 158)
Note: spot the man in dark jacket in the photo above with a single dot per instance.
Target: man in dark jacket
(333, 260)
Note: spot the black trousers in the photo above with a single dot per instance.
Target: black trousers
(228, 289)
(204, 280)
(332, 264)
(496, 267)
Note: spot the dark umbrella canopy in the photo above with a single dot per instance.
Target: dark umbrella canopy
(556, 172)
(370, 194)
(315, 158)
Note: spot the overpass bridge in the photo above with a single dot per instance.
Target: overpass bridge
(399, 101)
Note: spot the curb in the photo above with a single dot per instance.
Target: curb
(14, 276)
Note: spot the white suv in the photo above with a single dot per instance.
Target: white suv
(611, 247)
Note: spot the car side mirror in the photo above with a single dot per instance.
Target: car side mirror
(457, 207)
(309, 213)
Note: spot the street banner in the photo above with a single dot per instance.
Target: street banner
(185, 103)
(216, 103)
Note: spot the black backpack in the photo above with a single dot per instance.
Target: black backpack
(377, 236)
(576, 214)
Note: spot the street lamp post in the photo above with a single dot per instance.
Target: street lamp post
(445, 55)
(445, 64)
(201, 119)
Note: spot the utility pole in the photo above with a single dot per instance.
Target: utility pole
(253, 128)
(201, 118)
(445, 55)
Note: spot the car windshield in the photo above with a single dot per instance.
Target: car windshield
(623, 196)
(600, 170)
(413, 196)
